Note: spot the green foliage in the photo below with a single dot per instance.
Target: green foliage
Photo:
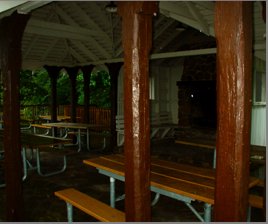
(99, 89)
(63, 89)
(100, 86)
(35, 88)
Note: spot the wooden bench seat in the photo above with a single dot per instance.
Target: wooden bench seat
(255, 201)
(161, 125)
(90, 206)
(42, 127)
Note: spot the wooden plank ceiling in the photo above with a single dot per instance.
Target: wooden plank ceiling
(74, 33)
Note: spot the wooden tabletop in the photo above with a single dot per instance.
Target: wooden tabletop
(34, 140)
(195, 182)
(72, 125)
(209, 144)
(59, 117)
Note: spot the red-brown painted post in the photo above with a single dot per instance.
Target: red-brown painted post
(114, 69)
(137, 42)
(12, 28)
(86, 74)
(53, 72)
(233, 29)
(72, 72)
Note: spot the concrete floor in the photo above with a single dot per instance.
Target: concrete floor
(42, 206)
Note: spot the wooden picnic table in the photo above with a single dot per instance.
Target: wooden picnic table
(257, 153)
(59, 117)
(76, 126)
(200, 143)
(38, 142)
(179, 181)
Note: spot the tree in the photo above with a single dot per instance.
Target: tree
(34, 87)
(100, 87)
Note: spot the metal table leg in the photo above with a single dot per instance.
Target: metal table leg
(69, 212)
(207, 212)
(51, 173)
(79, 140)
(112, 192)
(214, 159)
(88, 147)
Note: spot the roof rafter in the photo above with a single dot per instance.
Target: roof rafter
(59, 30)
(51, 46)
(181, 14)
(70, 21)
(198, 17)
(23, 7)
(168, 40)
(163, 29)
(76, 55)
(82, 48)
(85, 17)
(30, 47)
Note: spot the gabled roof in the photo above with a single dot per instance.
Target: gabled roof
(70, 33)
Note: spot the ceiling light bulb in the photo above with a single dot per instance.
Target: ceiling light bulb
(111, 7)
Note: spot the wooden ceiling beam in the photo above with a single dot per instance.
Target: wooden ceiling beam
(22, 7)
(89, 21)
(182, 14)
(50, 47)
(162, 29)
(83, 48)
(77, 56)
(60, 30)
(197, 15)
(155, 56)
(70, 21)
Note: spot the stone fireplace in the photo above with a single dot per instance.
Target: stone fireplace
(197, 93)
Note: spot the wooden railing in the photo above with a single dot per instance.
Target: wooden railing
(97, 115)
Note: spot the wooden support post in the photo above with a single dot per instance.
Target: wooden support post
(86, 74)
(114, 69)
(53, 72)
(72, 72)
(137, 42)
(233, 29)
(12, 28)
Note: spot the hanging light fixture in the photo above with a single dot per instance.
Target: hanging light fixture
(111, 7)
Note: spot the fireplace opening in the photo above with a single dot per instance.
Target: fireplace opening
(197, 104)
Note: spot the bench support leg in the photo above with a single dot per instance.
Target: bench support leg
(51, 173)
(112, 192)
(207, 212)
(165, 132)
(104, 143)
(69, 212)
(214, 158)
(24, 162)
(154, 131)
(194, 211)
(88, 144)
(249, 214)
(156, 199)
(79, 140)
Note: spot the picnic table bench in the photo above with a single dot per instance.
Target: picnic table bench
(89, 205)
(41, 129)
(37, 143)
(161, 125)
(179, 181)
